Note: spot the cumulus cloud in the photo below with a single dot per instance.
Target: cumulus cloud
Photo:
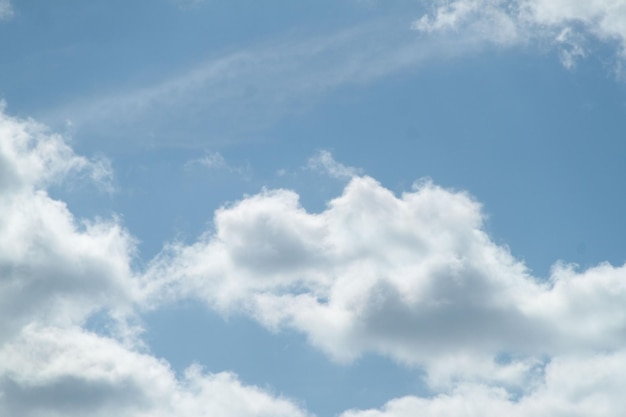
(70, 372)
(53, 267)
(56, 271)
(573, 386)
(411, 276)
(564, 23)
(414, 277)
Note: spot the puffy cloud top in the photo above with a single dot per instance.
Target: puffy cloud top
(411, 276)
(414, 277)
(57, 271)
(565, 23)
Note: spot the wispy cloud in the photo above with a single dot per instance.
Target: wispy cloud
(250, 89)
(215, 161)
(6, 10)
(226, 97)
(323, 161)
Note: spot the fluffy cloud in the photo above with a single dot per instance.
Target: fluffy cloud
(588, 386)
(566, 23)
(55, 273)
(53, 268)
(414, 277)
(49, 372)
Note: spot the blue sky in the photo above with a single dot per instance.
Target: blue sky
(356, 208)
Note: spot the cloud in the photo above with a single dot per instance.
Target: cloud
(414, 277)
(71, 372)
(6, 10)
(323, 161)
(54, 267)
(566, 24)
(226, 97)
(411, 276)
(56, 272)
(575, 386)
(215, 161)
(33, 158)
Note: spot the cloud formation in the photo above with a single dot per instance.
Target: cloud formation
(573, 386)
(56, 272)
(565, 23)
(54, 268)
(414, 277)
(50, 371)
(411, 276)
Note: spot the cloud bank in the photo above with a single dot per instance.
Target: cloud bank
(414, 277)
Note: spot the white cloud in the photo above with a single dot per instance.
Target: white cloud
(564, 23)
(32, 158)
(414, 277)
(49, 372)
(54, 268)
(482, 19)
(55, 273)
(323, 161)
(587, 386)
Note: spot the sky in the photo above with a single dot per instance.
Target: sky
(352, 208)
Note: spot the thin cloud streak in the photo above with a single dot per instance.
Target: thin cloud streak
(251, 89)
